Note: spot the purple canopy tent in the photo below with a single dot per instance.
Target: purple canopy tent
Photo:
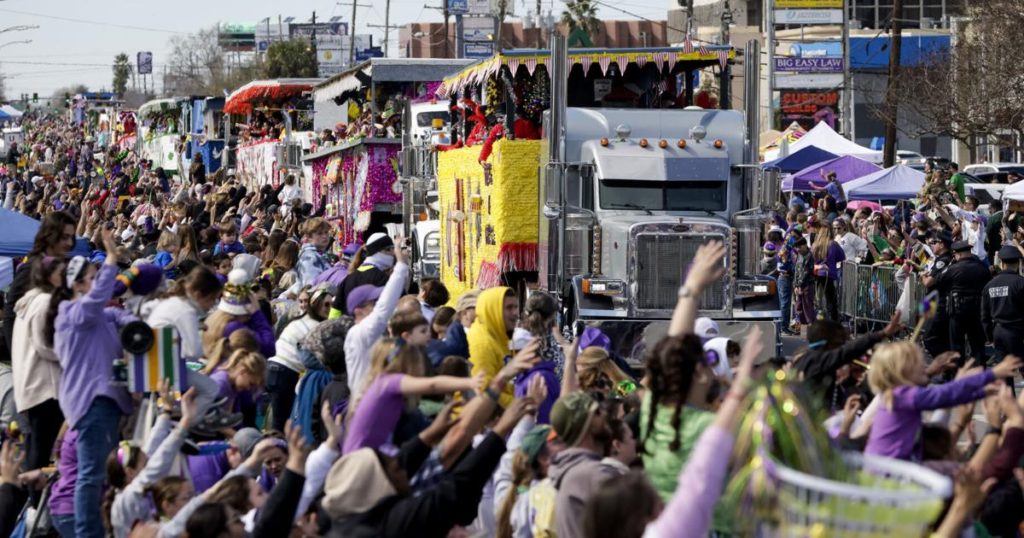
(847, 168)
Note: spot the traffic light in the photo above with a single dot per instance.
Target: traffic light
(35, 97)
(67, 100)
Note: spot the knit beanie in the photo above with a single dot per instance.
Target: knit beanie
(141, 279)
(378, 242)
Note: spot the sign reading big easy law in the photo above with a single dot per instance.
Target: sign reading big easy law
(809, 4)
(789, 64)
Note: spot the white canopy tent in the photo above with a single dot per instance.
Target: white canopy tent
(827, 139)
(1014, 192)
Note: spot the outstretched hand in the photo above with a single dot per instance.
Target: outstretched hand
(707, 266)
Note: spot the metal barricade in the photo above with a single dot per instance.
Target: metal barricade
(873, 293)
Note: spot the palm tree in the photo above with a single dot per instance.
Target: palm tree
(581, 15)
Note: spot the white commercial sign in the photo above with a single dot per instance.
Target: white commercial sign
(808, 81)
(478, 7)
(477, 28)
(808, 16)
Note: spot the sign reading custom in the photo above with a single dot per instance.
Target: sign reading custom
(790, 64)
(809, 4)
(808, 16)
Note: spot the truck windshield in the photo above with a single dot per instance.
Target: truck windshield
(425, 119)
(663, 195)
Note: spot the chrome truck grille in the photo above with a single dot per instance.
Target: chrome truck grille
(661, 261)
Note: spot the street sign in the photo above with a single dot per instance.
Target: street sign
(366, 54)
(808, 16)
(789, 64)
(144, 61)
(808, 81)
(458, 7)
(479, 50)
(478, 28)
(809, 4)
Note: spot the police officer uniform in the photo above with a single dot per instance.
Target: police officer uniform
(962, 284)
(1002, 307)
(936, 333)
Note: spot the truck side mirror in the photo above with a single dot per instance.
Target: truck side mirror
(769, 188)
(553, 185)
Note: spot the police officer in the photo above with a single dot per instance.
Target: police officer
(962, 284)
(1002, 306)
(936, 336)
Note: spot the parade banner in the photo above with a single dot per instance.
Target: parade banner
(789, 64)
(162, 150)
(162, 361)
(256, 165)
(808, 16)
(809, 4)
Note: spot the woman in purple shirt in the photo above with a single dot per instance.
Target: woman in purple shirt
(86, 341)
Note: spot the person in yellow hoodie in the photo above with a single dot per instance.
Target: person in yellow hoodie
(497, 310)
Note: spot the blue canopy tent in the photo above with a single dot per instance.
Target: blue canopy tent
(894, 183)
(20, 232)
(809, 156)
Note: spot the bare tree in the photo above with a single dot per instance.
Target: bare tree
(975, 90)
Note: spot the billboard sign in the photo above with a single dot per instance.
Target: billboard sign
(365, 54)
(305, 30)
(478, 28)
(144, 63)
(808, 108)
(809, 4)
(458, 7)
(478, 7)
(802, 81)
(821, 64)
(808, 16)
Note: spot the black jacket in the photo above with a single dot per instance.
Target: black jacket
(365, 274)
(1002, 303)
(279, 512)
(819, 366)
(452, 501)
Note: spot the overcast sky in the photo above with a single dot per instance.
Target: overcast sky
(77, 40)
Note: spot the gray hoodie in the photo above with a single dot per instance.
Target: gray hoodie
(131, 504)
(576, 473)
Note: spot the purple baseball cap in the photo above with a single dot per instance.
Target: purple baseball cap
(361, 295)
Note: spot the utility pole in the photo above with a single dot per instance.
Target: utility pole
(387, 25)
(726, 21)
(891, 107)
(386, 28)
(312, 46)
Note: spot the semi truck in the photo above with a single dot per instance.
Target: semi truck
(607, 211)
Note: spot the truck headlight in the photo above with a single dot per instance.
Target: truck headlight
(755, 288)
(603, 286)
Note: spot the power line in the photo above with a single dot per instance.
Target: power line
(97, 23)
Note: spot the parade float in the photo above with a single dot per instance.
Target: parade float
(161, 132)
(606, 204)
(274, 124)
(357, 178)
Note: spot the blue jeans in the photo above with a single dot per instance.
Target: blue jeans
(97, 437)
(785, 299)
(64, 524)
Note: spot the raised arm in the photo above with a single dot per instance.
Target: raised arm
(440, 384)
